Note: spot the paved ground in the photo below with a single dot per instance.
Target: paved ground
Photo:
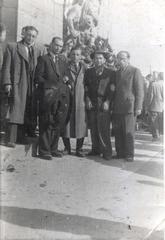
(83, 198)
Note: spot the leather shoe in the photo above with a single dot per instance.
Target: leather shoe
(129, 159)
(66, 152)
(45, 157)
(107, 157)
(57, 154)
(80, 154)
(93, 153)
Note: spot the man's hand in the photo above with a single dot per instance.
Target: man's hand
(106, 106)
(65, 79)
(8, 89)
(112, 87)
(137, 112)
(88, 104)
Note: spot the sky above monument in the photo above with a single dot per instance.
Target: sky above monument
(137, 26)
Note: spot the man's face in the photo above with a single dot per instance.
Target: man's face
(76, 56)
(30, 37)
(99, 60)
(2, 36)
(57, 46)
(123, 60)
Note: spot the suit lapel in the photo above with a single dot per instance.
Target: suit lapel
(53, 65)
(22, 51)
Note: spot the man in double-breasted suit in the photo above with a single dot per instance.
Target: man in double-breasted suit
(99, 92)
(127, 105)
(53, 99)
(20, 60)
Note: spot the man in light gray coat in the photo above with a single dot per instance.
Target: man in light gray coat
(155, 106)
(20, 60)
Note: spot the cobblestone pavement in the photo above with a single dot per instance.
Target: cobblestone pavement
(83, 198)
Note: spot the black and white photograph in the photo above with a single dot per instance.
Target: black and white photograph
(82, 119)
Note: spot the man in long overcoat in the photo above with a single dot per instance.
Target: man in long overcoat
(77, 126)
(127, 105)
(53, 99)
(20, 60)
(99, 93)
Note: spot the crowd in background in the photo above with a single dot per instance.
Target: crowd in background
(66, 89)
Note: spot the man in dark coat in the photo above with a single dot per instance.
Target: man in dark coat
(20, 60)
(127, 105)
(99, 93)
(53, 99)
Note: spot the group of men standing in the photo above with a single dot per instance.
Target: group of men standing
(64, 97)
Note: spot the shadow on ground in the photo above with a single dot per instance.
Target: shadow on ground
(148, 168)
(97, 229)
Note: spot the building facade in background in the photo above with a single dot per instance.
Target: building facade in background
(45, 15)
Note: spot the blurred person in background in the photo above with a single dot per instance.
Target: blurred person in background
(155, 105)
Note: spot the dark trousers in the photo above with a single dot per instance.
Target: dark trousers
(156, 124)
(79, 144)
(16, 132)
(48, 138)
(124, 130)
(99, 123)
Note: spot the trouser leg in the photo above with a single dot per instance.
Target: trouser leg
(94, 131)
(55, 135)
(44, 138)
(66, 142)
(119, 135)
(129, 130)
(104, 133)
(79, 144)
(30, 119)
(154, 124)
(11, 132)
(160, 122)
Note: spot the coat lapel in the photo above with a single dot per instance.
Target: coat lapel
(35, 51)
(22, 51)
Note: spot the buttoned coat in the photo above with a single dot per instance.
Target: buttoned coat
(15, 72)
(129, 91)
(77, 126)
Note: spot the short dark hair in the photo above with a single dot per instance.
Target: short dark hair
(56, 38)
(2, 27)
(126, 52)
(76, 47)
(30, 28)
